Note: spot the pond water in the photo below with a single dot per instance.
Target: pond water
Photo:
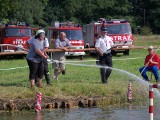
(101, 113)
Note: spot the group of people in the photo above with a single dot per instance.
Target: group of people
(38, 66)
(37, 57)
(103, 47)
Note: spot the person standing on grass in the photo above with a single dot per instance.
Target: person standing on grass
(61, 43)
(35, 58)
(45, 63)
(103, 48)
(151, 63)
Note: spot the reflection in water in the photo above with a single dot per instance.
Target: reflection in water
(105, 113)
(39, 116)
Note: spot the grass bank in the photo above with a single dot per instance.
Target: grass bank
(81, 81)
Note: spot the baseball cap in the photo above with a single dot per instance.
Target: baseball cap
(40, 31)
(150, 47)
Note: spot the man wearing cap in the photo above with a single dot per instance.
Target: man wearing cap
(151, 63)
(103, 48)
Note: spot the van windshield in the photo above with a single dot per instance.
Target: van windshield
(119, 29)
(73, 34)
(17, 32)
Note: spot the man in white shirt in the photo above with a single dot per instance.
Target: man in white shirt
(103, 48)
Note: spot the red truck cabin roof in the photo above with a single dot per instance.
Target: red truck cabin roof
(65, 28)
(72, 33)
(117, 28)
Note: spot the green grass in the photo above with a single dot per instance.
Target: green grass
(81, 81)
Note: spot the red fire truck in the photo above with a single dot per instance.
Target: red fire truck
(13, 37)
(73, 33)
(119, 30)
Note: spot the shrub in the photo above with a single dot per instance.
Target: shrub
(146, 30)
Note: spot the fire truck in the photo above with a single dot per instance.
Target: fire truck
(119, 30)
(13, 37)
(73, 34)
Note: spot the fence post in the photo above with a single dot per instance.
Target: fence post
(151, 96)
(129, 94)
(151, 107)
(38, 101)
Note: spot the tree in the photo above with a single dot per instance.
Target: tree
(3, 8)
(30, 11)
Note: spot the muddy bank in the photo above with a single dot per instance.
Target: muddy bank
(49, 103)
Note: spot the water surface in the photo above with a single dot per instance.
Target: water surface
(104, 113)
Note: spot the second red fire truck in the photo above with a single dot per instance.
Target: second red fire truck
(73, 33)
(119, 30)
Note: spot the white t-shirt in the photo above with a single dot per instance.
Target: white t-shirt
(104, 43)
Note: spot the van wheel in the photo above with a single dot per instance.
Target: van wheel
(126, 52)
(81, 57)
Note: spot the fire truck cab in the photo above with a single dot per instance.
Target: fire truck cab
(73, 34)
(13, 37)
(119, 30)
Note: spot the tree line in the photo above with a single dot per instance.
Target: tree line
(142, 14)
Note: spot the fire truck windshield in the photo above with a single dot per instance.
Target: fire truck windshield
(73, 34)
(17, 32)
(119, 29)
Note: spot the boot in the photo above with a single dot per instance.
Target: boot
(40, 83)
(32, 84)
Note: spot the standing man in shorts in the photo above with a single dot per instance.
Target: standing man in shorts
(61, 43)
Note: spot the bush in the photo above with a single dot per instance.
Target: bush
(145, 30)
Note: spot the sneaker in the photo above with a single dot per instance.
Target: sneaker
(55, 77)
(147, 80)
(158, 80)
(49, 84)
(105, 83)
(63, 72)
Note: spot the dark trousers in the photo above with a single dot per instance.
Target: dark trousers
(105, 61)
(46, 71)
(35, 70)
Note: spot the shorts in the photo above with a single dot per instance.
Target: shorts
(60, 63)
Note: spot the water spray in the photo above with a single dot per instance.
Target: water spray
(51, 61)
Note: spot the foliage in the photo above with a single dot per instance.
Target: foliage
(43, 12)
(146, 30)
(23, 10)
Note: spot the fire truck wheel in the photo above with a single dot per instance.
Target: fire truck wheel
(114, 53)
(126, 52)
(81, 57)
(87, 52)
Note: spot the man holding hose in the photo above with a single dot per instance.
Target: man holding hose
(103, 48)
(151, 64)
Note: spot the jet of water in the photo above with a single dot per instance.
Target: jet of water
(143, 82)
